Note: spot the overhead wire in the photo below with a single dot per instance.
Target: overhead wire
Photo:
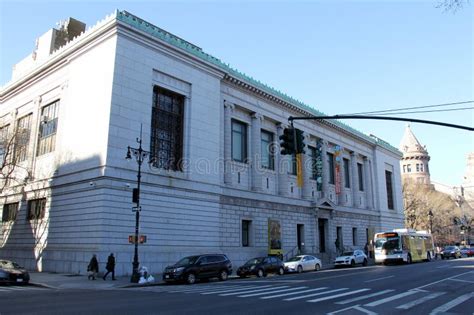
(394, 110)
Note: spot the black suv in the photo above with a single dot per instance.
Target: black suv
(191, 268)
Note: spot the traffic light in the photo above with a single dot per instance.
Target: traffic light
(287, 142)
(135, 196)
(299, 141)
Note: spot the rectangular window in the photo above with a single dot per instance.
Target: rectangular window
(292, 164)
(354, 236)
(388, 183)
(246, 233)
(347, 178)
(408, 168)
(4, 143)
(36, 209)
(331, 167)
(23, 130)
(267, 149)
(417, 167)
(9, 212)
(312, 154)
(239, 141)
(421, 167)
(404, 168)
(166, 143)
(360, 172)
(48, 128)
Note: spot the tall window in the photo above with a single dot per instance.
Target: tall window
(9, 212)
(23, 129)
(48, 128)
(313, 153)
(331, 168)
(246, 233)
(417, 167)
(239, 141)
(347, 178)
(408, 168)
(388, 184)
(360, 172)
(267, 150)
(4, 142)
(36, 209)
(421, 167)
(167, 129)
(292, 164)
(354, 236)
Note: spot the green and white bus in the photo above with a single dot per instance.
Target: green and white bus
(403, 245)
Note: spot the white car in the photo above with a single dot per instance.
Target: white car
(302, 263)
(351, 258)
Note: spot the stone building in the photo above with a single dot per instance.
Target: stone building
(214, 181)
(415, 161)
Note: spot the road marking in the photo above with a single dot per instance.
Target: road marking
(355, 307)
(315, 294)
(461, 274)
(270, 292)
(445, 307)
(391, 298)
(251, 291)
(419, 301)
(364, 297)
(461, 280)
(292, 293)
(378, 279)
(235, 289)
(336, 296)
(199, 289)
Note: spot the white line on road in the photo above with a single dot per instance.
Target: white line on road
(206, 288)
(391, 298)
(292, 293)
(373, 280)
(240, 288)
(461, 280)
(461, 274)
(251, 291)
(315, 294)
(336, 296)
(271, 292)
(355, 307)
(364, 297)
(419, 301)
(445, 307)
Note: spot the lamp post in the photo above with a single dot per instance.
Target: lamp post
(430, 214)
(140, 156)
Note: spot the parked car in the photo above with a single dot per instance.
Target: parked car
(302, 263)
(191, 268)
(467, 251)
(261, 266)
(351, 258)
(11, 272)
(451, 251)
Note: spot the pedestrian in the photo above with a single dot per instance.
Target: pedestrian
(366, 249)
(93, 268)
(110, 266)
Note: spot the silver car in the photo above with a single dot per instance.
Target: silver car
(302, 263)
(351, 258)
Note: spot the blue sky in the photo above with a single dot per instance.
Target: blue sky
(337, 56)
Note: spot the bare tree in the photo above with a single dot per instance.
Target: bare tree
(452, 5)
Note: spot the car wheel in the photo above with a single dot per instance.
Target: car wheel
(353, 263)
(317, 267)
(409, 259)
(191, 278)
(260, 273)
(300, 269)
(281, 271)
(365, 262)
(223, 275)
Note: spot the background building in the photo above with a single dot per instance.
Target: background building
(215, 182)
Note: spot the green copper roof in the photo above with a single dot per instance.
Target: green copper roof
(174, 40)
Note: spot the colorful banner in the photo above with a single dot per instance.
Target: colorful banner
(337, 166)
(319, 165)
(274, 237)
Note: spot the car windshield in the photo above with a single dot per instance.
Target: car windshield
(449, 248)
(254, 261)
(347, 253)
(9, 264)
(387, 243)
(187, 261)
(296, 258)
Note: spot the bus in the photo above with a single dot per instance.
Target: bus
(403, 245)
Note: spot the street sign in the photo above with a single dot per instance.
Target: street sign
(133, 240)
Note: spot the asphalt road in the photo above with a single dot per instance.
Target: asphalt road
(438, 287)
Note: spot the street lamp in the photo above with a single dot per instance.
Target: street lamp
(140, 156)
(430, 214)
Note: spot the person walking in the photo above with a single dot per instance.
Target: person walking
(110, 266)
(93, 268)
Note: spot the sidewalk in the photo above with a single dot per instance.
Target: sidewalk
(75, 281)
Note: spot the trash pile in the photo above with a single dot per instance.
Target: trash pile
(145, 277)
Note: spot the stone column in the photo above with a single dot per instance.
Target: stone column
(256, 144)
(354, 180)
(281, 166)
(324, 157)
(368, 182)
(307, 171)
(228, 109)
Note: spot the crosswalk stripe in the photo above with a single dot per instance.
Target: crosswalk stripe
(243, 288)
(292, 293)
(391, 298)
(271, 292)
(451, 304)
(419, 301)
(252, 290)
(314, 294)
(200, 288)
(336, 296)
(363, 297)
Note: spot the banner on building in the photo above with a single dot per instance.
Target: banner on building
(337, 166)
(319, 165)
(274, 237)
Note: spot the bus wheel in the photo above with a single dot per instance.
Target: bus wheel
(409, 259)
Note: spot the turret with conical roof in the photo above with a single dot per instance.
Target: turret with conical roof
(414, 164)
